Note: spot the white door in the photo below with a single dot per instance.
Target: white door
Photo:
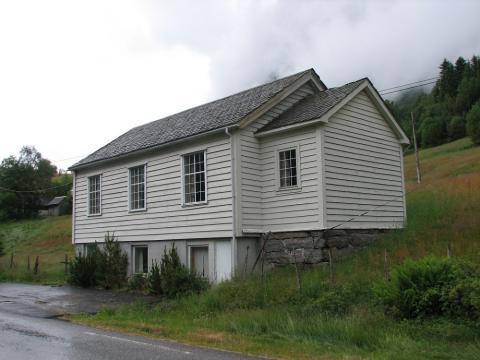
(199, 260)
(223, 260)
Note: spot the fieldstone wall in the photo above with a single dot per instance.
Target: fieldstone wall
(312, 247)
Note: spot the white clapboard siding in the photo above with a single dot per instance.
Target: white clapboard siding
(296, 209)
(363, 168)
(165, 218)
(251, 162)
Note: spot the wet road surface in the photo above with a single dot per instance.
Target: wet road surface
(29, 329)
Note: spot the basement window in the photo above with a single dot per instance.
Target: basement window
(137, 188)
(94, 195)
(288, 168)
(140, 259)
(194, 178)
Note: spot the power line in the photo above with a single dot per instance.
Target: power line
(33, 191)
(408, 88)
(412, 83)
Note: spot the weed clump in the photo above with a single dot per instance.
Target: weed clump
(432, 287)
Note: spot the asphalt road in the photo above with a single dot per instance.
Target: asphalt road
(29, 329)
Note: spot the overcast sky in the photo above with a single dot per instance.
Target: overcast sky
(76, 74)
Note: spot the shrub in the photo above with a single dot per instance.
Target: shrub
(176, 279)
(432, 286)
(137, 281)
(84, 267)
(473, 123)
(154, 280)
(113, 264)
(106, 267)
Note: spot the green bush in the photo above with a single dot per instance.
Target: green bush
(430, 287)
(176, 279)
(473, 123)
(154, 280)
(84, 268)
(106, 267)
(137, 281)
(113, 264)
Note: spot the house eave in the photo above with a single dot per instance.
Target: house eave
(152, 148)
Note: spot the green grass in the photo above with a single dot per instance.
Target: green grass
(48, 238)
(269, 317)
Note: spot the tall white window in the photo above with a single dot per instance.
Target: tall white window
(140, 259)
(137, 188)
(194, 178)
(94, 195)
(288, 168)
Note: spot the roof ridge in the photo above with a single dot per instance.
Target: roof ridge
(298, 74)
(351, 82)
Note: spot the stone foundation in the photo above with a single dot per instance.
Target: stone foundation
(312, 247)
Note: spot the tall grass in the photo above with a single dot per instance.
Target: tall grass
(48, 238)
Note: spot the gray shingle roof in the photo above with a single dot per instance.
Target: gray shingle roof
(56, 200)
(214, 115)
(312, 107)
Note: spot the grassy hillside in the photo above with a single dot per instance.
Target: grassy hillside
(48, 238)
(268, 316)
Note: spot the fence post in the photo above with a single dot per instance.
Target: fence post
(449, 251)
(37, 264)
(330, 263)
(385, 265)
(28, 262)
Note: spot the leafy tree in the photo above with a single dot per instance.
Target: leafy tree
(20, 181)
(456, 128)
(473, 123)
(432, 131)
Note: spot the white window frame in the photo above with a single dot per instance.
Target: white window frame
(182, 172)
(130, 209)
(88, 195)
(298, 167)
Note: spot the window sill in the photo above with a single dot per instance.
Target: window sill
(289, 190)
(94, 215)
(130, 211)
(187, 205)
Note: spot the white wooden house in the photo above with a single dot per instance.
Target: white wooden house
(288, 157)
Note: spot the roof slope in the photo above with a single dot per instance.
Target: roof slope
(312, 107)
(56, 200)
(214, 115)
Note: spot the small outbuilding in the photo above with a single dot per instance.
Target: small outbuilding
(57, 206)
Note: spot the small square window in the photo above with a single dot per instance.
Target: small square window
(287, 167)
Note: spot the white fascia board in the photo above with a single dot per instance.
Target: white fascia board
(308, 77)
(365, 85)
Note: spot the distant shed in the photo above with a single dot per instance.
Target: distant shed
(57, 206)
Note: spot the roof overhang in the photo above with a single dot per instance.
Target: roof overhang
(152, 148)
(374, 96)
(309, 77)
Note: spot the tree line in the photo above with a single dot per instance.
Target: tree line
(450, 111)
(27, 182)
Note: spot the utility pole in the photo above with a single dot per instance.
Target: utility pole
(417, 159)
